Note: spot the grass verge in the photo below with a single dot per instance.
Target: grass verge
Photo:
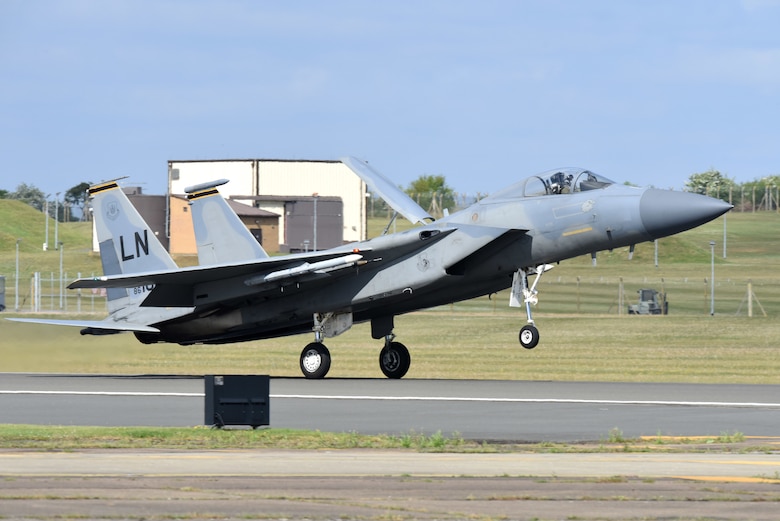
(73, 438)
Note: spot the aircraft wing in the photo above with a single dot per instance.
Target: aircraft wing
(384, 188)
(222, 284)
(107, 326)
(199, 274)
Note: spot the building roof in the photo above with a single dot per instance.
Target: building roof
(266, 160)
(244, 210)
(283, 198)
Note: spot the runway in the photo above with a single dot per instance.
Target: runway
(476, 410)
(377, 484)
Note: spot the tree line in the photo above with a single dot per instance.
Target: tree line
(756, 195)
(72, 207)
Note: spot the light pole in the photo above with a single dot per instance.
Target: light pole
(61, 248)
(46, 220)
(712, 278)
(56, 219)
(316, 196)
(16, 292)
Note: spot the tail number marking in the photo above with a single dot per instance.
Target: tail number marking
(141, 244)
(140, 290)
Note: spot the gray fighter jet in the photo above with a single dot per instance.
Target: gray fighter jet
(239, 293)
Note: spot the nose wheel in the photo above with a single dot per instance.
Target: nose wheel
(529, 336)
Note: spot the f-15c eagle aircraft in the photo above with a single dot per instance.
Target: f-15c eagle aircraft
(239, 293)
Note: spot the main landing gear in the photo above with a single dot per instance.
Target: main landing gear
(523, 295)
(394, 359)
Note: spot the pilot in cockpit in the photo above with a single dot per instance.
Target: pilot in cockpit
(560, 184)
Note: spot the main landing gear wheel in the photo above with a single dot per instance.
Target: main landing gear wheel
(394, 360)
(315, 360)
(529, 336)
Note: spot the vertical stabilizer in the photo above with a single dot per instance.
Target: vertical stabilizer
(127, 244)
(220, 235)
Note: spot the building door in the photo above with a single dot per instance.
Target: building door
(258, 234)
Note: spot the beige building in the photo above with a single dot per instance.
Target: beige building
(262, 224)
(278, 200)
(264, 183)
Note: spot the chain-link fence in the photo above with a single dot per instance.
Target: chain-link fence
(48, 293)
(584, 294)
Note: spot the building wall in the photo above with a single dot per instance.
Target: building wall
(152, 208)
(324, 178)
(268, 228)
(253, 177)
(276, 207)
(182, 240)
(242, 174)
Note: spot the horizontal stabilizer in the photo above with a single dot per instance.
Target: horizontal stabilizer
(101, 325)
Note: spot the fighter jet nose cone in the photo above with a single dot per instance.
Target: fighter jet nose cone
(666, 212)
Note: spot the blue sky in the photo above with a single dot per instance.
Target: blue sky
(483, 92)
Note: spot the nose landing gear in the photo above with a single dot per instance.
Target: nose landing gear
(523, 295)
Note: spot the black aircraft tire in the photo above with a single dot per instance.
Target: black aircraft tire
(394, 360)
(315, 360)
(529, 336)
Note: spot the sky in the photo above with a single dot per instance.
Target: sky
(482, 92)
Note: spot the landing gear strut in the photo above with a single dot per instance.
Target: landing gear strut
(394, 359)
(529, 334)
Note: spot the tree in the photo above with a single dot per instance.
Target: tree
(432, 193)
(711, 183)
(29, 194)
(76, 196)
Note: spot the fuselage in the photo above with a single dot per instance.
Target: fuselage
(470, 253)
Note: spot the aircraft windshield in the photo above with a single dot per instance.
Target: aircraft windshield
(560, 181)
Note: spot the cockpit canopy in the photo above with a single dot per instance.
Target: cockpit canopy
(553, 182)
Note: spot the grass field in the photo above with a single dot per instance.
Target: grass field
(583, 335)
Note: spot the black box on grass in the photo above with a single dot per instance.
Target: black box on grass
(237, 400)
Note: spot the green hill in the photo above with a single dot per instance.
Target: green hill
(20, 221)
